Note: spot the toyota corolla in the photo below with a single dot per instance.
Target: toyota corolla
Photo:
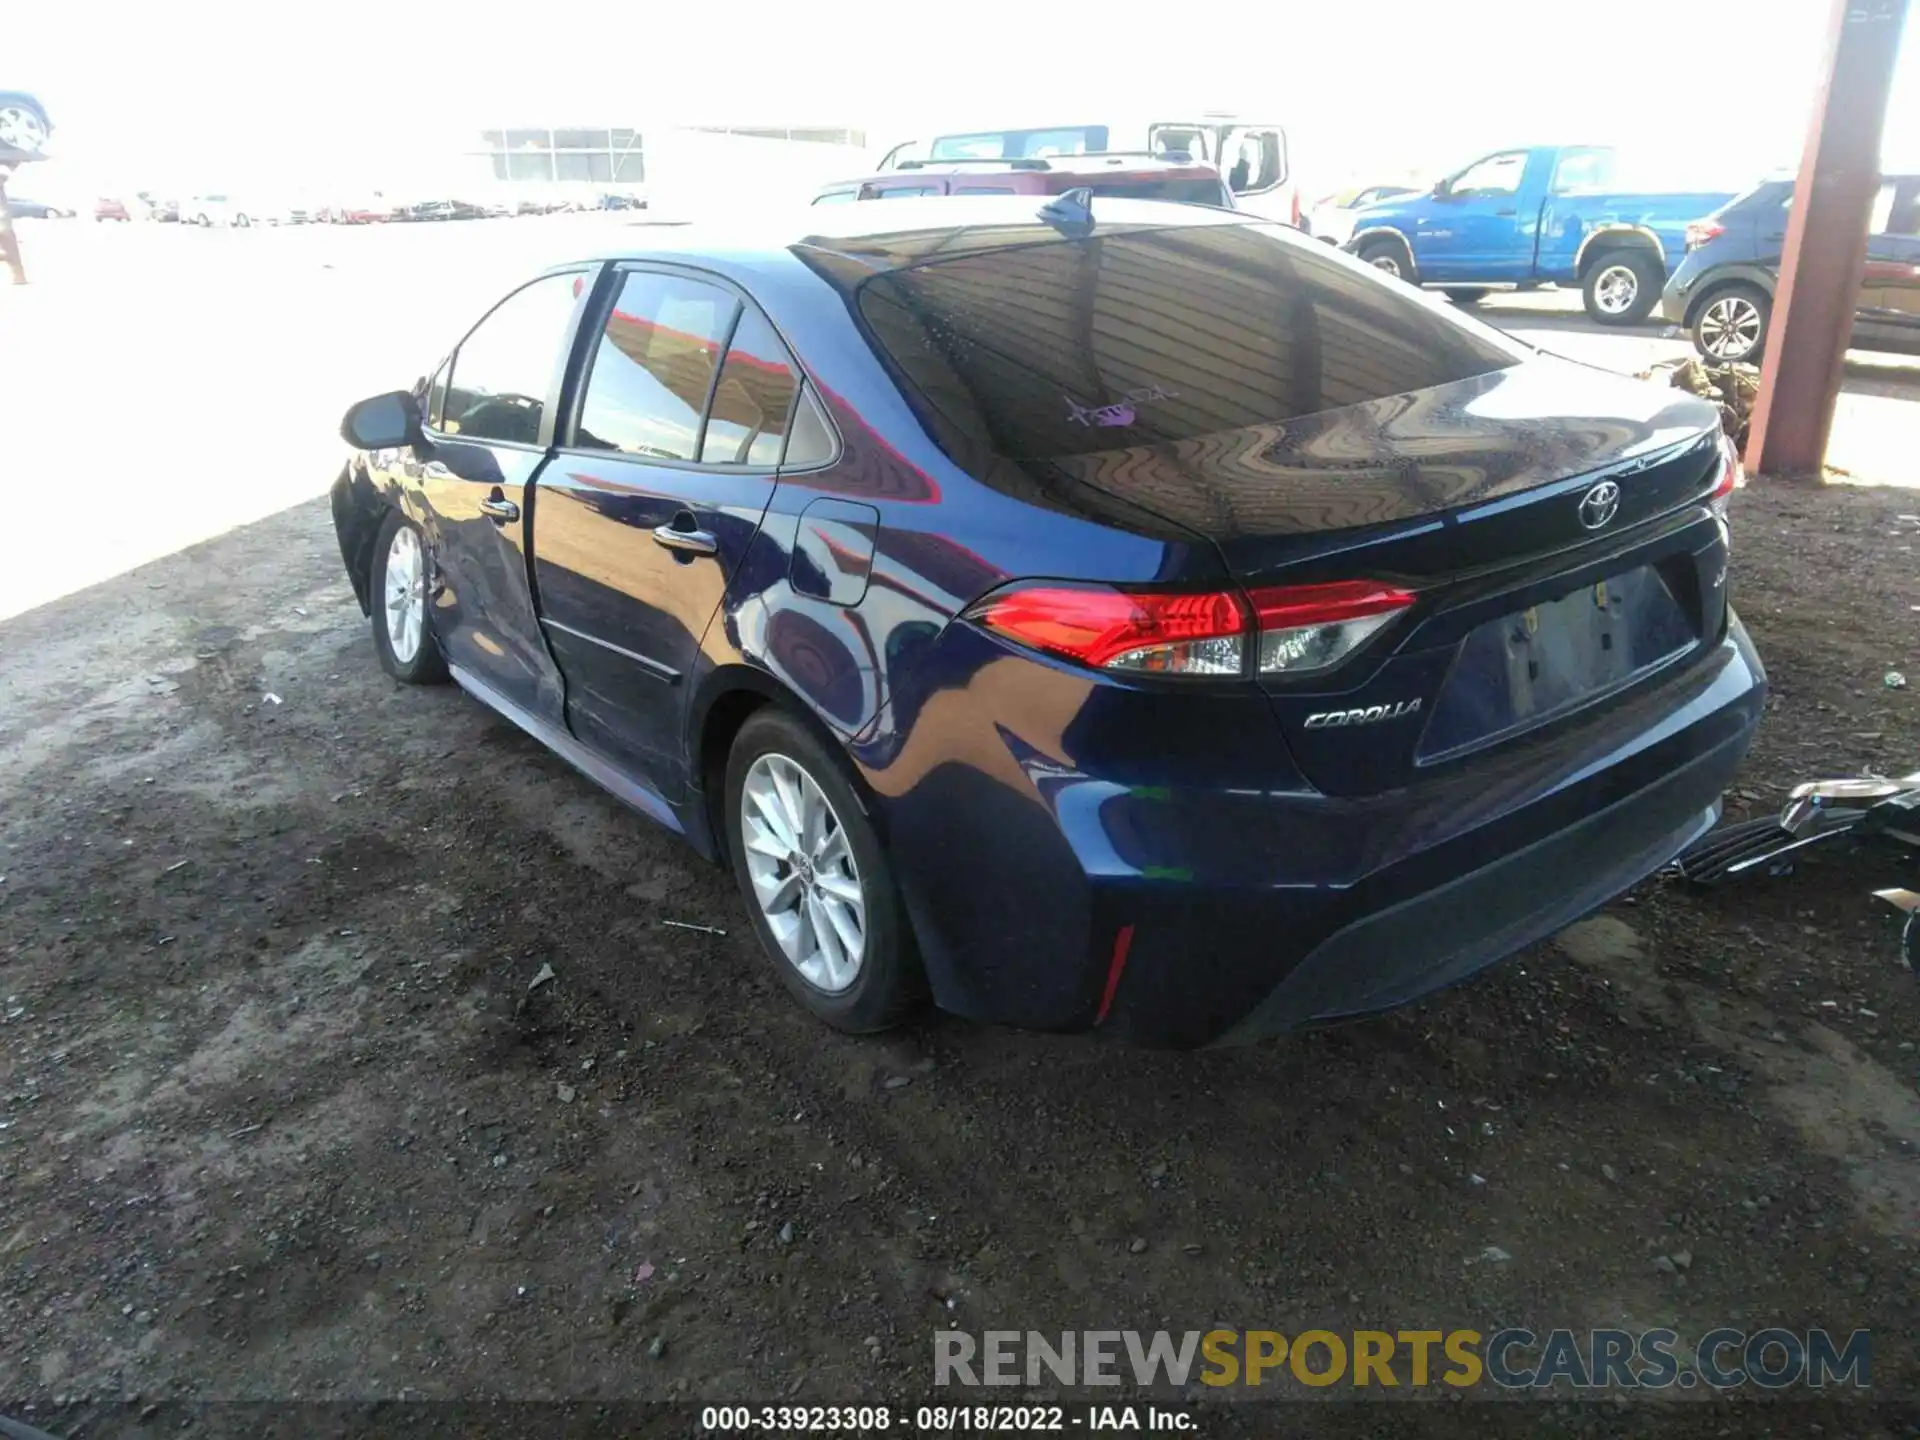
(1115, 616)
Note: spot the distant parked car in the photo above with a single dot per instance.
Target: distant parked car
(23, 122)
(25, 209)
(213, 210)
(1331, 219)
(109, 208)
(1538, 215)
(1132, 176)
(157, 209)
(1723, 290)
(1251, 155)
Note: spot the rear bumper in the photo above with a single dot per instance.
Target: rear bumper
(1440, 936)
(1223, 913)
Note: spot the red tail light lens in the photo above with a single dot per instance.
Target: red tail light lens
(1293, 630)
(1732, 476)
(1701, 231)
(1309, 627)
(1145, 634)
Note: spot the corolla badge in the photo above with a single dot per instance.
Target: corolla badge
(1599, 505)
(1364, 715)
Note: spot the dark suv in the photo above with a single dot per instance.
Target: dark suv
(1723, 290)
(1113, 173)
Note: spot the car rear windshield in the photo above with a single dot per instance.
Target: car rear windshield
(1105, 342)
(1188, 191)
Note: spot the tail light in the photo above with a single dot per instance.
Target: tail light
(1287, 630)
(1296, 205)
(1310, 627)
(1732, 476)
(1699, 232)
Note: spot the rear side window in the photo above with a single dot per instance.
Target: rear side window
(984, 190)
(654, 366)
(898, 192)
(753, 401)
(1101, 343)
(503, 370)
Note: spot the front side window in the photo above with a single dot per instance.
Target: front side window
(654, 366)
(1495, 175)
(501, 375)
(1109, 342)
(1896, 209)
(753, 401)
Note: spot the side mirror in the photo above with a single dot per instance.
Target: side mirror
(1442, 189)
(383, 422)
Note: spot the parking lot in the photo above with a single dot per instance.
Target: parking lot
(353, 1047)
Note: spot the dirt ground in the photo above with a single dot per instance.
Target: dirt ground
(288, 1112)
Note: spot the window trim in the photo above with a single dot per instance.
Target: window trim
(556, 384)
(601, 304)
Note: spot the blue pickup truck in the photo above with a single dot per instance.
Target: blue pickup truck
(1547, 214)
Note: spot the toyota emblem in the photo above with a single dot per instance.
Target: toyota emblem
(1599, 505)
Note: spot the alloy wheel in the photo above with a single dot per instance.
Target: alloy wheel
(803, 872)
(21, 129)
(1388, 262)
(1616, 289)
(1730, 327)
(406, 595)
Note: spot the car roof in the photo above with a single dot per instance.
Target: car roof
(887, 235)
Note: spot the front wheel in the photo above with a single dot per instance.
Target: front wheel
(1731, 327)
(1622, 287)
(1389, 255)
(402, 636)
(815, 879)
(1466, 294)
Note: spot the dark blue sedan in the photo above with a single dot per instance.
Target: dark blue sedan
(1115, 616)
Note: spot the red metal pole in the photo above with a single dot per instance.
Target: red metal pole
(1826, 240)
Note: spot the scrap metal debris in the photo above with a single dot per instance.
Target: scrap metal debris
(1734, 388)
(686, 925)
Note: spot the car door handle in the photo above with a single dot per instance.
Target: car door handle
(687, 542)
(496, 509)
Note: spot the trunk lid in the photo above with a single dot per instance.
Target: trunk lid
(1551, 520)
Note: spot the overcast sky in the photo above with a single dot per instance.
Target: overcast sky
(205, 83)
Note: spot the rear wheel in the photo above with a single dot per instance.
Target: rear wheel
(1389, 255)
(816, 881)
(1622, 286)
(402, 636)
(1466, 295)
(1730, 326)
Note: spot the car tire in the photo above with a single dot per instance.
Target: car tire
(1466, 295)
(1391, 256)
(1730, 324)
(780, 775)
(1621, 287)
(241, 222)
(24, 125)
(398, 594)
